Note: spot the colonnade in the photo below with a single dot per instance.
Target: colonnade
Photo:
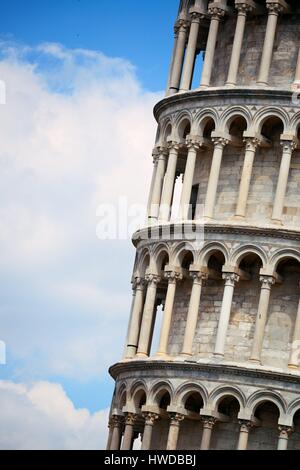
(144, 306)
(186, 38)
(164, 176)
(123, 425)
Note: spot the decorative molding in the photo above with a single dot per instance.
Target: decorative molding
(193, 366)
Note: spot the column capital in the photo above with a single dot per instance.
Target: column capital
(267, 281)
(182, 24)
(220, 141)
(173, 145)
(244, 6)
(176, 418)
(150, 418)
(252, 143)
(138, 283)
(193, 142)
(230, 278)
(130, 419)
(246, 425)
(209, 421)
(199, 277)
(172, 275)
(216, 10)
(288, 145)
(197, 14)
(116, 421)
(276, 7)
(285, 431)
(152, 278)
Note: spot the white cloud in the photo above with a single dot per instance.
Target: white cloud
(77, 131)
(42, 417)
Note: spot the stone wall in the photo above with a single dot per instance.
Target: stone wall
(279, 328)
(262, 188)
(284, 57)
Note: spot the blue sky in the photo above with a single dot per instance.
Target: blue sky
(81, 80)
(140, 31)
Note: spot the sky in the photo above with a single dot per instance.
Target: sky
(81, 79)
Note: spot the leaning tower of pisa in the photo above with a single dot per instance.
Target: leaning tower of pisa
(217, 270)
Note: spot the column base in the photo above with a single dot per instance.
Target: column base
(172, 91)
(293, 367)
(277, 221)
(161, 355)
(262, 83)
(141, 355)
(255, 361)
(238, 217)
(230, 85)
(185, 355)
(218, 355)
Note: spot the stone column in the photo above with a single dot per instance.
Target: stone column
(117, 423)
(297, 74)
(208, 424)
(251, 146)
(219, 144)
(172, 59)
(155, 163)
(182, 26)
(288, 148)
(150, 419)
(147, 320)
(274, 9)
(283, 438)
(187, 75)
(230, 280)
(244, 434)
(216, 14)
(295, 351)
(158, 183)
(172, 277)
(136, 318)
(192, 316)
(261, 318)
(128, 433)
(110, 433)
(175, 420)
(168, 189)
(243, 9)
(193, 146)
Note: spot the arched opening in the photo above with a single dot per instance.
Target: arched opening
(283, 308)
(265, 436)
(168, 132)
(231, 169)
(244, 308)
(236, 128)
(161, 262)
(211, 301)
(226, 433)
(202, 169)
(139, 400)
(191, 426)
(160, 437)
(184, 259)
(194, 403)
(265, 171)
(183, 130)
(272, 128)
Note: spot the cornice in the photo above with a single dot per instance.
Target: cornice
(189, 366)
(228, 229)
(223, 93)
